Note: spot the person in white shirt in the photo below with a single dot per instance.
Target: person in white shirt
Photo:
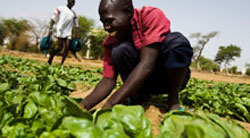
(65, 19)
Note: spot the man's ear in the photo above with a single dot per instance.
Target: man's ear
(130, 11)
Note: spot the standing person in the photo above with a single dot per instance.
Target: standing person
(64, 18)
(141, 48)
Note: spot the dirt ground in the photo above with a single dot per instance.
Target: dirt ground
(153, 113)
(220, 77)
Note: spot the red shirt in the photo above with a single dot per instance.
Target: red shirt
(149, 25)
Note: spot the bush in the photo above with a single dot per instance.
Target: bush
(248, 72)
(95, 40)
(233, 70)
(207, 65)
(22, 43)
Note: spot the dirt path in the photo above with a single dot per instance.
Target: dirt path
(57, 59)
(153, 113)
(221, 78)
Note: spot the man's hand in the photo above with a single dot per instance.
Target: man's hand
(82, 104)
(107, 105)
(101, 91)
(50, 33)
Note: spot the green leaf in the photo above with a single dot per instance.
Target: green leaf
(18, 131)
(133, 120)
(59, 133)
(179, 124)
(30, 110)
(81, 128)
(71, 86)
(112, 128)
(72, 108)
(4, 87)
(61, 82)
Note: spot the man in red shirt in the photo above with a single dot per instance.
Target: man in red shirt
(140, 48)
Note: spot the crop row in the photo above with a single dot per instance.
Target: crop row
(35, 103)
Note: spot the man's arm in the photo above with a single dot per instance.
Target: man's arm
(77, 32)
(101, 91)
(148, 60)
(52, 22)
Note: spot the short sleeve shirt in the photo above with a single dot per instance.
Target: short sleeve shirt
(65, 19)
(149, 26)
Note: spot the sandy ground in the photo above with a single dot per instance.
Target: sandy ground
(219, 77)
(153, 113)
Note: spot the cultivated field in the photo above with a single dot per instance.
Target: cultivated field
(153, 113)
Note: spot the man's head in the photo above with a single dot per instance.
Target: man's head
(71, 3)
(115, 16)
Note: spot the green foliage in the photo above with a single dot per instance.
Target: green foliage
(177, 124)
(248, 72)
(23, 43)
(233, 70)
(85, 25)
(224, 99)
(124, 122)
(95, 39)
(35, 103)
(15, 29)
(227, 54)
(207, 64)
(3, 32)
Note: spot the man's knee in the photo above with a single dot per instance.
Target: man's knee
(124, 50)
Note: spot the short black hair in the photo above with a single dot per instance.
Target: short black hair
(123, 4)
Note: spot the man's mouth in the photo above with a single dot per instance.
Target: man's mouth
(113, 34)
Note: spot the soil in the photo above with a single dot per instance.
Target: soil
(152, 112)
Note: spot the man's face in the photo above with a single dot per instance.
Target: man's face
(71, 3)
(115, 21)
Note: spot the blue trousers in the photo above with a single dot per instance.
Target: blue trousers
(171, 73)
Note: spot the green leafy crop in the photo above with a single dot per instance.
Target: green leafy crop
(35, 103)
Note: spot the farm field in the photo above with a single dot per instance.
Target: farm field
(236, 107)
(97, 63)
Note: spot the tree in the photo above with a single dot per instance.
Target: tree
(247, 69)
(15, 28)
(227, 54)
(38, 29)
(23, 43)
(85, 25)
(95, 39)
(233, 70)
(207, 64)
(202, 40)
(3, 32)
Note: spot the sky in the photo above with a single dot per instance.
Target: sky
(230, 18)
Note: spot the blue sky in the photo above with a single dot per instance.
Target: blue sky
(230, 17)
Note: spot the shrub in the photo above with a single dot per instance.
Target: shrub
(207, 65)
(248, 72)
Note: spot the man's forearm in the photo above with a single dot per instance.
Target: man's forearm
(77, 32)
(130, 88)
(102, 90)
(137, 77)
(50, 27)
